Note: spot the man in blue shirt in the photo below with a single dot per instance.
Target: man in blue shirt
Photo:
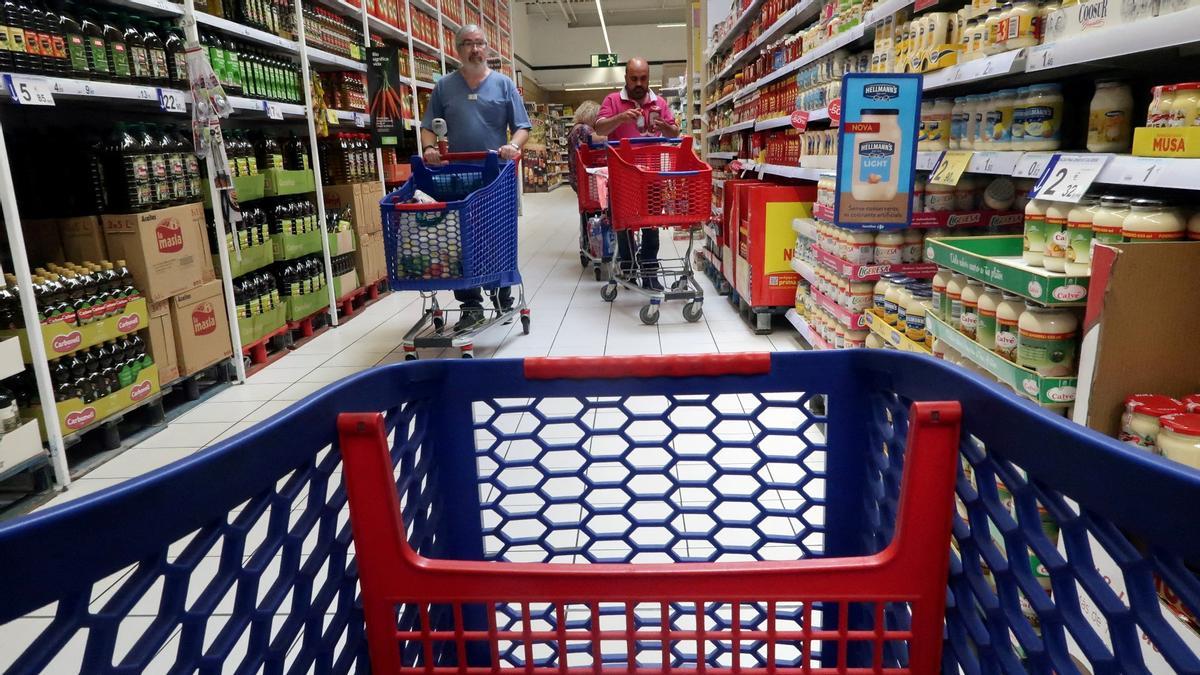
(481, 107)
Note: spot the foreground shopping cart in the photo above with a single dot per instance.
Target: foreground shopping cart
(596, 242)
(657, 183)
(466, 239)
(242, 558)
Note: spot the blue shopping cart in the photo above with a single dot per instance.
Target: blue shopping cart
(243, 557)
(465, 239)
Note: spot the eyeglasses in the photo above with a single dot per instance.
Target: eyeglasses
(472, 44)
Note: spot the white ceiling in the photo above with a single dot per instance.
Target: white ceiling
(578, 13)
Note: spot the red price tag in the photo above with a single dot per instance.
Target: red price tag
(835, 111)
(800, 119)
(924, 4)
(862, 127)
(735, 165)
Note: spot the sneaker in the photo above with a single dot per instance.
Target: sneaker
(469, 319)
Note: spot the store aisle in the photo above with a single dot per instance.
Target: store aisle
(569, 318)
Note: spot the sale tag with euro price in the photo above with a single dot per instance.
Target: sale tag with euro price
(273, 110)
(1067, 177)
(1031, 164)
(950, 167)
(172, 100)
(29, 90)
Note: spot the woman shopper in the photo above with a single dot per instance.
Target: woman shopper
(581, 132)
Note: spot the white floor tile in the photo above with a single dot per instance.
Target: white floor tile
(251, 392)
(183, 435)
(267, 410)
(219, 411)
(234, 430)
(274, 375)
(327, 374)
(139, 460)
(300, 390)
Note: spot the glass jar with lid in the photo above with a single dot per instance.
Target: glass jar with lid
(1152, 220)
(1023, 25)
(1047, 339)
(1109, 220)
(1017, 132)
(965, 192)
(1000, 118)
(938, 197)
(1043, 117)
(1110, 118)
(1179, 439)
(1079, 236)
(903, 299)
(891, 310)
(1008, 318)
(1033, 245)
(958, 122)
(889, 247)
(919, 302)
(1054, 258)
(1193, 227)
(1140, 421)
(985, 332)
(860, 247)
(880, 290)
(914, 241)
(1185, 104)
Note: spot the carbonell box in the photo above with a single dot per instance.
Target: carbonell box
(166, 250)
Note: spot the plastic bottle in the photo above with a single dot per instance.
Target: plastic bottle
(160, 183)
(177, 70)
(160, 74)
(233, 66)
(97, 47)
(117, 50)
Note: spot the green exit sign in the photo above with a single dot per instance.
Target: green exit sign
(604, 60)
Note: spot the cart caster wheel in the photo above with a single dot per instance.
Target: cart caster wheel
(609, 292)
(410, 357)
(438, 323)
(599, 276)
(649, 315)
(693, 311)
(468, 355)
(525, 325)
(583, 261)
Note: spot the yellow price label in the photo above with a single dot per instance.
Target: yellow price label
(950, 167)
(332, 118)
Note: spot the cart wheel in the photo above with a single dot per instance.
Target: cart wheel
(411, 356)
(583, 261)
(599, 275)
(649, 315)
(438, 323)
(468, 355)
(525, 325)
(608, 292)
(693, 311)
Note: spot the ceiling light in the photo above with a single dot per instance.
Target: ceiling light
(672, 25)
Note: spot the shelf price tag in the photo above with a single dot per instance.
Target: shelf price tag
(800, 119)
(331, 116)
(1067, 177)
(360, 120)
(171, 100)
(993, 161)
(950, 166)
(1144, 171)
(29, 90)
(273, 110)
(1031, 164)
(1040, 58)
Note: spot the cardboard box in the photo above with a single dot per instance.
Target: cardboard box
(20, 445)
(161, 336)
(166, 250)
(766, 242)
(201, 328)
(363, 200)
(83, 239)
(369, 257)
(43, 244)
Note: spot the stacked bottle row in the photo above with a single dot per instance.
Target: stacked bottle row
(347, 158)
(345, 91)
(246, 71)
(254, 229)
(141, 167)
(61, 39)
(102, 370)
(273, 16)
(301, 276)
(332, 33)
(342, 264)
(255, 294)
(71, 293)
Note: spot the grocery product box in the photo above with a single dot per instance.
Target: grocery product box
(20, 445)
(82, 238)
(341, 242)
(369, 257)
(766, 242)
(281, 182)
(75, 415)
(363, 200)
(346, 283)
(256, 327)
(201, 327)
(166, 250)
(1166, 141)
(160, 334)
(287, 246)
(61, 338)
(247, 189)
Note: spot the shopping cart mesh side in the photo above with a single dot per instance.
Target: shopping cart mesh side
(241, 559)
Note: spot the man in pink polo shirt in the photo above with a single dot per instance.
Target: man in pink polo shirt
(631, 112)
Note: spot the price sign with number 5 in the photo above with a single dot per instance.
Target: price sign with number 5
(1067, 178)
(29, 90)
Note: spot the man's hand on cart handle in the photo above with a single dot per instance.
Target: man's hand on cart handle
(509, 151)
(432, 156)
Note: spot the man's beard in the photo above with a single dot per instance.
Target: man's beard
(637, 93)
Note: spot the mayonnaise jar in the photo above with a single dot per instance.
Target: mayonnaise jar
(940, 302)
(1140, 421)
(954, 289)
(1047, 339)
(1179, 439)
(985, 332)
(1043, 117)
(914, 243)
(876, 157)
(1079, 236)
(1109, 220)
(1110, 118)
(1033, 245)
(1008, 318)
(919, 302)
(968, 320)
(1152, 220)
(889, 247)
(1054, 258)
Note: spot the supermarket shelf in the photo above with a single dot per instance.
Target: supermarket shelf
(1159, 172)
(385, 29)
(722, 155)
(425, 7)
(358, 119)
(453, 59)
(156, 7)
(872, 272)
(258, 105)
(421, 44)
(86, 89)
(724, 99)
(844, 316)
(324, 58)
(786, 120)
(894, 337)
(740, 126)
(988, 68)
(805, 270)
(737, 29)
(883, 11)
(790, 19)
(806, 331)
(786, 171)
(425, 85)
(847, 38)
(454, 25)
(997, 262)
(1095, 49)
(245, 32)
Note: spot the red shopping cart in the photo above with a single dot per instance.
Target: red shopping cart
(596, 242)
(656, 183)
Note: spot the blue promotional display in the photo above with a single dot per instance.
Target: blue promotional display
(877, 143)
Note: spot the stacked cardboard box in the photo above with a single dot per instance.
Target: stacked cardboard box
(363, 201)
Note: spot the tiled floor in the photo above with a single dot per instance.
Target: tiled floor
(567, 317)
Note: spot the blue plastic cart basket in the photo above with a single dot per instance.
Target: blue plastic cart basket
(466, 239)
(240, 558)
